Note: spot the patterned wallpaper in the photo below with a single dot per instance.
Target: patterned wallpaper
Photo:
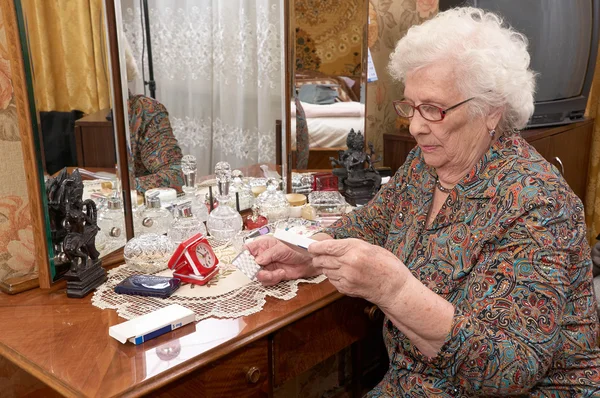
(394, 18)
(329, 36)
(16, 233)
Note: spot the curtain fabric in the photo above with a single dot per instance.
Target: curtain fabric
(592, 196)
(67, 45)
(218, 71)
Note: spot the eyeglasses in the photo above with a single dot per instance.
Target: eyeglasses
(429, 112)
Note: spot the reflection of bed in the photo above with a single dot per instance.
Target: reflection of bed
(328, 125)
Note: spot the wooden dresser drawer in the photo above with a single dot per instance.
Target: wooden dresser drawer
(243, 373)
(310, 340)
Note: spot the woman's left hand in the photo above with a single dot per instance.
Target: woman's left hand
(358, 268)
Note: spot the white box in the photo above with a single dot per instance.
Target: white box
(293, 238)
(152, 325)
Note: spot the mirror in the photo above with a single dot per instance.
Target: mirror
(71, 84)
(204, 79)
(328, 63)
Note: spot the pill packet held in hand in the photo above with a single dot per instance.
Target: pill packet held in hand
(245, 262)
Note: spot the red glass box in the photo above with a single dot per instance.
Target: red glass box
(324, 182)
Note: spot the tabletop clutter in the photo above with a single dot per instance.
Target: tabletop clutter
(179, 232)
(176, 235)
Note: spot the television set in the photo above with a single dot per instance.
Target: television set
(563, 43)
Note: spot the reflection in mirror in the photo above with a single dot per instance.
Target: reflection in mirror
(329, 77)
(216, 70)
(71, 76)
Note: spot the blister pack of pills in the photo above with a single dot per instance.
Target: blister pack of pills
(245, 262)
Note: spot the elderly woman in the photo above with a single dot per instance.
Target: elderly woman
(476, 249)
(156, 153)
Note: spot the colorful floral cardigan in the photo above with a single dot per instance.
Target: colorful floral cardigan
(509, 250)
(156, 153)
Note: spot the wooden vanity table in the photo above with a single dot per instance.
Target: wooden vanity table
(64, 343)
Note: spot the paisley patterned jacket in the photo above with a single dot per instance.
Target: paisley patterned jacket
(156, 153)
(509, 251)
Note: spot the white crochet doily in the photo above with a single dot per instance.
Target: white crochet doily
(241, 297)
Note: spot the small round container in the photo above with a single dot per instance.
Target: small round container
(296, 201)
(149, 253)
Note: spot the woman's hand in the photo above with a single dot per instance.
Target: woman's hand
(280, 261)
(358, 268)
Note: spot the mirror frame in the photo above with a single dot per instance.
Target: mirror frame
(120, 121)
(23, 93)
(290, 80)
(31, 139)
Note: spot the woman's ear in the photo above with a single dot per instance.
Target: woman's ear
(493, 118)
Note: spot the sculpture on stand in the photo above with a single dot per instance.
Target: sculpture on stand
(357, 176)
(73, 224)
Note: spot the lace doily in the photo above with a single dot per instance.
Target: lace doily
(241, 301)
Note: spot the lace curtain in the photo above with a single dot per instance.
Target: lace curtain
(218, 71)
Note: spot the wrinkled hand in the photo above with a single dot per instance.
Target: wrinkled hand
(279, 261)
(357, 268)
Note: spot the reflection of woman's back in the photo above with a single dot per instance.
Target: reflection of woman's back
(156, 153)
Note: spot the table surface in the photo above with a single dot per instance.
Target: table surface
(64, 342)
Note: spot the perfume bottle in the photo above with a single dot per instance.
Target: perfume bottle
(188, 167)
(152, 218)
(112, 222)
(255, 220)
(185, 225)
(272, 203)
(224, 222)
(240, 192)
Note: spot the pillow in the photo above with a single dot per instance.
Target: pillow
(320, 94)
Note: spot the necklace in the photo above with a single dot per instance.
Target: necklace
(441, 187)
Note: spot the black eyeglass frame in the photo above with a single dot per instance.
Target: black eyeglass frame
(443, 112)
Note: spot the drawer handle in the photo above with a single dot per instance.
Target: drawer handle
(561, 166)
(253, 375)
(373, 312)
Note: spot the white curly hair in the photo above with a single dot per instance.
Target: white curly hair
(491, 58)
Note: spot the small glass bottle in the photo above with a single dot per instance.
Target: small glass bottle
(185, 225)
(223, 222)
(112, 223)
(255, 220)
(152, 218)
(272, 203)
(244, 196)
(188, 167)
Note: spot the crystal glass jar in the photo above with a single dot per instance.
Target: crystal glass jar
(152, 218)
(272, 203)
(223, 222)
(112, 223)
(243, 191)
(327, 203)
(185, 225)
(149, 253)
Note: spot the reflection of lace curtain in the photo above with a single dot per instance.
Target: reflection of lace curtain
(217, 66)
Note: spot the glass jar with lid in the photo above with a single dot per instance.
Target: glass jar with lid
(272, 203)
(240, 192)
(149, 253)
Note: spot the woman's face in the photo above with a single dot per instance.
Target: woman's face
(457, 142)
